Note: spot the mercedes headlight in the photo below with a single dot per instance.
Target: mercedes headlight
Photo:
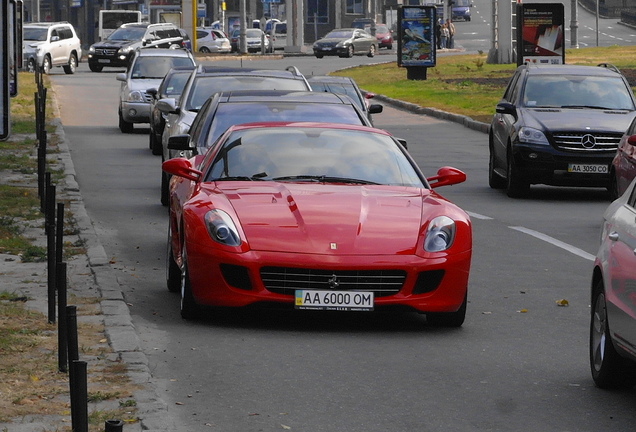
(439, 234)
(221, 228)
(532, 136)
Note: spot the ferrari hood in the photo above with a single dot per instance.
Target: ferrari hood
(578, 119)
(338, 219)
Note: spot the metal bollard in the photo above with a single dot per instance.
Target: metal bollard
(114, 426)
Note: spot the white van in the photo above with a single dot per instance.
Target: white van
(278, 35)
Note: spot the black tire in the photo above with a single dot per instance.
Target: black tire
(609, 369)
(350, 51)
(71, 67)
(371, 52)
(516, 186)
(155, 144)
(448, 319)
(31, 65)
(189, 307)
(495, 181)
(95, 67)
(124, 126)
(46, 65)
(205, 50)
(319, 56)
(173, 271)
(165, 189)
(613, 186)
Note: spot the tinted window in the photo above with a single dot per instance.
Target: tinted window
(347, 90)
(229, 114)
(35, 34)
(157, 67)
(128, 34)
(204, 87)
(202, 34)
(577, 91)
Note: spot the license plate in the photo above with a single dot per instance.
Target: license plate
(587, 168)
(334, 300)
(103, 61)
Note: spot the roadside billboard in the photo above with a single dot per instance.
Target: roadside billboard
(416, 36)
(540, 34)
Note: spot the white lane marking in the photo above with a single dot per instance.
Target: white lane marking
(555, 242)
(478, 216)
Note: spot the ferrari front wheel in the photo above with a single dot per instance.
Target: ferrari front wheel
(189, 307)
(448, 319)
(173, 272)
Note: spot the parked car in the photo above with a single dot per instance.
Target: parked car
(296, 214)
(365, 24)
(558, 125)
(346, 43)
(208, 80)
(210, 40)
(345, 86)
(384, 35)
(623, 169)
(252, 40)
(613, 318)
(171, 86)
(147, 69)
(51, 44)
(118, 49)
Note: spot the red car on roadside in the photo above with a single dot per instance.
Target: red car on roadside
(623, 169)
(384, 35)
(315, 216)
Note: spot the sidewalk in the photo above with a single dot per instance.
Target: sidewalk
(93, 287)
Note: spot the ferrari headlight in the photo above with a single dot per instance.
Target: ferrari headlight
(440, 234)
(532, 136)
(135, 96)
(221, 228)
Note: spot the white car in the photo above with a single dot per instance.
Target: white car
(613, 320)
(211, 40)
(51, 44)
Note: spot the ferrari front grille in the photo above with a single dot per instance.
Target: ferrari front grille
(285, 280)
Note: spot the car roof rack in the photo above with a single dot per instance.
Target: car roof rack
(294, 70)
(610, 67)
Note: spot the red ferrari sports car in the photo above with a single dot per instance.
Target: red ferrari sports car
(315, 216)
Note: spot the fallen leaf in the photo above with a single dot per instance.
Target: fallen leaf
(563, 303)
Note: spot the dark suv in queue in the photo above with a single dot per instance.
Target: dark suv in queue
(558, 125)
(117, 49)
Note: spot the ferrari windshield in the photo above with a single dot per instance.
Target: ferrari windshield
(577, 91)
(229, 114)
(311, 154)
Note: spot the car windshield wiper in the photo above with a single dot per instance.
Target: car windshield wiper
(587, 106)
(323, 179)
(256, 177)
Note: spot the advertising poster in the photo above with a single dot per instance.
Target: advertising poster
(542, 38)
(416, 36)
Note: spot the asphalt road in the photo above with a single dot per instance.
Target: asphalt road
(519, 363)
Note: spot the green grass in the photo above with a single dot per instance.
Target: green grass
(466, 84)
